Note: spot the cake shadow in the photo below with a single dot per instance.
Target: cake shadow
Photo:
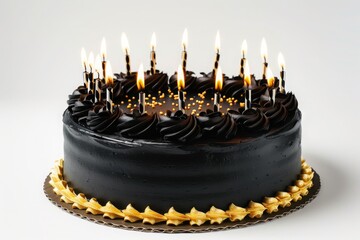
(335, 183)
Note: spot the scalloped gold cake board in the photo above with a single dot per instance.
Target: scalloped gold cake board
(185, 228)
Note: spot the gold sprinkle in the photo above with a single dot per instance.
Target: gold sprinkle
(133, 98)
(191, 99)
(122, 102)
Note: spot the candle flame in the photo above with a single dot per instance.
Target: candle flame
(153, 42)
(109, 75)
(184, 41)
(125, 43)
(219, 80)
(281, 61)
(103, 49)
(247, 76)
(83, 58)
(97, 63)
(244, 48)
(217, 42)
(91, 60)
(264, 51)
(180, 78)
(140, 80)
(270, 77)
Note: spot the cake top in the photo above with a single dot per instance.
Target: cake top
(183, 107)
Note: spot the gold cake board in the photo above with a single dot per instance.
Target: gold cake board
(185, 228)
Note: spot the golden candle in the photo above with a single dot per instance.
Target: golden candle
(247, 85)
(181, 87)
(140, 83)
(153, 55)
(281, 62)
(243, 59)
(264, 56)
(217, 53)
(109, 90)
(103, 55)
(218, 87)
(97, 95)
(126, 50)
(84, 62)
(184, 43)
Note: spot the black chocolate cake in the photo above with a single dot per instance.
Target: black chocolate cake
(160, 163)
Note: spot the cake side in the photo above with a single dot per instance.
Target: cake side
(165, 174)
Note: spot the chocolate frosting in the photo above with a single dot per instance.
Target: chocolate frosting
(176, 126)
(216, 125)
(276, 114)
(128, 82)
(138, 125)
(78, 94)
(190, 82)
(101, 120)
(289, 101)
(153, 83)
(156, 82)
(179, 127)
(251, 120)
(80, 109)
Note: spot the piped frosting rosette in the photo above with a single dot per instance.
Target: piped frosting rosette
(177, 126)
(217, 125)
(137, 125)
(101, 120)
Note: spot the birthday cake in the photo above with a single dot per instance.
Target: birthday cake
(181, 149)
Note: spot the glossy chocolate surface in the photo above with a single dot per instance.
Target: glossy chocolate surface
(164, 174)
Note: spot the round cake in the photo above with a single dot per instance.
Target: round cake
(143, 146)
(166, 158)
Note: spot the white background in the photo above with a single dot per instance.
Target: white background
(40, 65)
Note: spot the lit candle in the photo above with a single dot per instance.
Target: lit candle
(181, 87)
(97, 80)
(140, 82)
(264, 56)
(91, 73)
(271, 84)
(281, 61)
(184, 43)
(153, 54)
(243, 59)
(126, 49)
(247, 85)
(103, 55)
(217, 53)
(84, 63)
(109, 89)
(218, 87)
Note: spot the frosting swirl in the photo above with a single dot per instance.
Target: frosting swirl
(190, 81)
(275, 113)
(101, 120)
(78, 94)
(80, 109)
(156, 82)
(128, 82)
(179, 127)
(251, 120)
(153, 83)
(137, 125)
(289, 101)
(214, 124)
